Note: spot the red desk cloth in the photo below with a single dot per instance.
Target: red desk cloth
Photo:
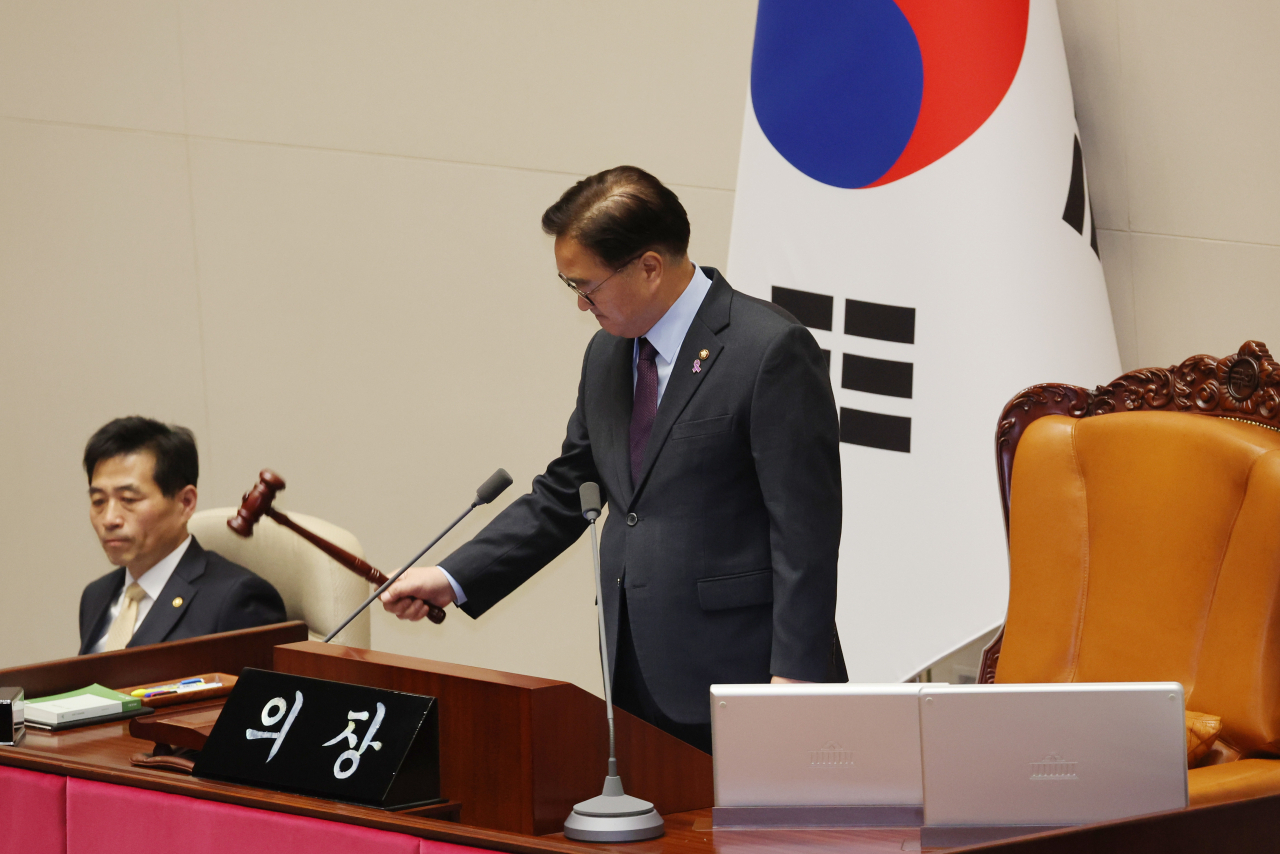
(102, 818)
(33, 812)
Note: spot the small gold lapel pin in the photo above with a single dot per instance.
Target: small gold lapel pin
(702, 354)
(177, 601)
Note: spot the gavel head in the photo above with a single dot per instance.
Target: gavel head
(256, 503)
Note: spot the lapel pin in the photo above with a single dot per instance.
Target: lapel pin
(177, 601)
(697, 366)
(702, 354)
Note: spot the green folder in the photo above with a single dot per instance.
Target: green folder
(128, 704)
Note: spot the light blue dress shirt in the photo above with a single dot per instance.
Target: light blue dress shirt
(666, 336)
(668, 333)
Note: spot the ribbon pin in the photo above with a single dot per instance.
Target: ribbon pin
(697, 366)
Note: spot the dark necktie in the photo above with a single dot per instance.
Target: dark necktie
(644, 406)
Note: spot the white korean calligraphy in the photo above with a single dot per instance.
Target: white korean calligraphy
(351, 754)
(272, 712)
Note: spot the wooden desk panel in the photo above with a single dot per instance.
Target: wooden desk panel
(102, 753)
(1242, 827)
(228, 652)
(519, 751)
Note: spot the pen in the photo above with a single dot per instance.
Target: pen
(185, 685)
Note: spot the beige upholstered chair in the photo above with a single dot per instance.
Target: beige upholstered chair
(315, 588)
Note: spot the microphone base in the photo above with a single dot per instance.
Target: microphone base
(590, 828)
(613, 817)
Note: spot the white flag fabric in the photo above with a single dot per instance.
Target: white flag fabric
(911, 188)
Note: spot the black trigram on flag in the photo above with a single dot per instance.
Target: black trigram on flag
(862, 373)
(1078, 201)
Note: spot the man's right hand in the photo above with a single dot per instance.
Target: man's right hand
(408, 597)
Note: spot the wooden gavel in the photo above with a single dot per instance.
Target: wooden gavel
(257, 503)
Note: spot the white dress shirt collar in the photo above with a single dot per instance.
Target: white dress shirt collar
(152, 583)
(155, 578)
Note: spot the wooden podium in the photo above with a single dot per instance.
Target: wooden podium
(516, 751)
(229, 652)
(519, 751)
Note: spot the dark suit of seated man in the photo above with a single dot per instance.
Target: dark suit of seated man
(142, 491)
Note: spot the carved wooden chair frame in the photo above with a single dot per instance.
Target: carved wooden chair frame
(1244, 386)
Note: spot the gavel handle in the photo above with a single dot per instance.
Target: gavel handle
(360, 567)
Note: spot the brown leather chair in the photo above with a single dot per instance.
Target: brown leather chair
(1145, 545)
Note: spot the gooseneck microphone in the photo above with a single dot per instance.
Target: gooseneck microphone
(611, 816)
(589, 495)
(489, 490)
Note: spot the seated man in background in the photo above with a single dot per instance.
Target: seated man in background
(142, 490)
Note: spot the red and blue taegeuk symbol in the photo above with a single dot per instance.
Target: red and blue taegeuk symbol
(860, 93)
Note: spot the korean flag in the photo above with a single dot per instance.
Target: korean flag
(911, 188)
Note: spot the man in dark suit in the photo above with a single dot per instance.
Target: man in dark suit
(707, 418)
(142, 491)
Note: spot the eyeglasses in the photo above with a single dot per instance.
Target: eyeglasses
(586, 295)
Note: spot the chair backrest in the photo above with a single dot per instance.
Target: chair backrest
(315, 588)
(1145, 546)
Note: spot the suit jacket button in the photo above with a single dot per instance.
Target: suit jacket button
(632, 519)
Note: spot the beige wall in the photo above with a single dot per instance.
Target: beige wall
(1180, 125)
(308, 230)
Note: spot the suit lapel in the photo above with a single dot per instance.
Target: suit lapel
(180, 588)
(712, 316)
(99, 610)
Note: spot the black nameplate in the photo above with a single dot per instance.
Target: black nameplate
(326, 739)
(11, 715)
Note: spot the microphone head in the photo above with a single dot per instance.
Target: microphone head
(589, 494)
(493, 487)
